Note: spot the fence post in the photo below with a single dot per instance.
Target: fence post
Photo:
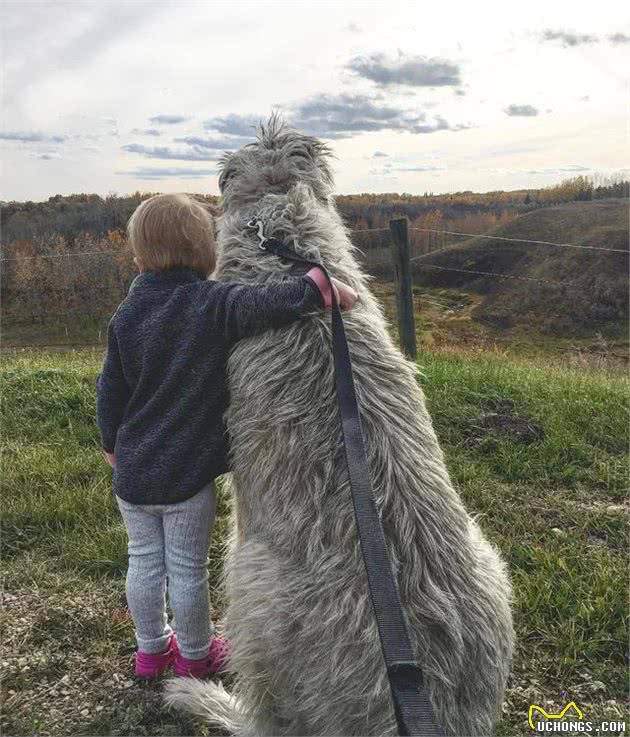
(404, 294)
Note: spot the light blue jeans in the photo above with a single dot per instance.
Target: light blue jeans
(170, 542)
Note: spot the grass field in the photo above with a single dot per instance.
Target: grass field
(538, 452)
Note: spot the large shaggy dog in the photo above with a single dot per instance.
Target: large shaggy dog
(306, 648)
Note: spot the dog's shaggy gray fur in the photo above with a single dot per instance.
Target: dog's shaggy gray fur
(306, 649)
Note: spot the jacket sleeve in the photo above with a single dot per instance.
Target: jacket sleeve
(112, 394)
(241, 311)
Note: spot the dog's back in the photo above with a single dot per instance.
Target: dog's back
(306, 648)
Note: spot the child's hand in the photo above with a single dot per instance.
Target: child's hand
(110, 458)
(346, 296)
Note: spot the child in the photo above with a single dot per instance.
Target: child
(160, 402)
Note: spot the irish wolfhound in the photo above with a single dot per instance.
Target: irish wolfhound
(306, 653)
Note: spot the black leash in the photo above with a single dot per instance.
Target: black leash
(412, 704)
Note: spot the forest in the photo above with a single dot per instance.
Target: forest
(39, 281)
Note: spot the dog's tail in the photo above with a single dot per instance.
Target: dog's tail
(206, 700)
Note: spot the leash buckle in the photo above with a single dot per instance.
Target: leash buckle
(258, 225)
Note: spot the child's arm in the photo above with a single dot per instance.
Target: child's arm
(242, 311)
(112, 395)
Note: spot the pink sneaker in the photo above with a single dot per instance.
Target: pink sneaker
(153, 665)
(214, 662)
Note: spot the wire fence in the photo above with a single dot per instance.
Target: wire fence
(58, 255)
(439, 231)
(376, 257)
(497, 238)
(494, 274)
(523, 240)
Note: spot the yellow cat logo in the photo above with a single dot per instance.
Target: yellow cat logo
(572, 705)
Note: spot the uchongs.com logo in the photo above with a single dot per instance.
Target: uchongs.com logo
(570, 720)
(571, 713)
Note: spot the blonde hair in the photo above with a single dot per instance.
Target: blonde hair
(173, 230)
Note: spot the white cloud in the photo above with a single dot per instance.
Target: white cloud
(31, 137)
(568, 38)
(167, 119)
(569, 169)
(193, 153)
(524, 111)
(410, 70)
(167, 173)
(146, 132)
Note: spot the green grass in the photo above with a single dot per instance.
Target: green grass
(70, 328)
(556, 507)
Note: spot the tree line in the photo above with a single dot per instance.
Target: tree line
(38, 282)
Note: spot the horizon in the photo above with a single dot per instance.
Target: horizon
(473, 101)
(392, 193)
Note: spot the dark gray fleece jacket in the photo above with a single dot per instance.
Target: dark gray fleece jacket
(163, 392)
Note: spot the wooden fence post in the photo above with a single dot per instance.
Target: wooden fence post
(404, 283)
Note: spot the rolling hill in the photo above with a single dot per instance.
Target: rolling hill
(575, 290)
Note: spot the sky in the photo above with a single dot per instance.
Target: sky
(124, 95)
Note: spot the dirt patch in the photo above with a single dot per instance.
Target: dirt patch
(500, 420)
(67, 669)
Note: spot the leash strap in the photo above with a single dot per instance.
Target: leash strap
(412, 704)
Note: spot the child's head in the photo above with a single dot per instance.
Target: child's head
(170, 231)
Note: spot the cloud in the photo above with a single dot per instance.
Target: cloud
(568, 38)
(197, 148)
(384, 173)
(569, 169)
(223, 144)
(165, 173)
(345, 115)
(414, 71)
(167, 119)
(379, 154)
(194, 153)
(146, 132)
(427, 167)
(31, 137)
(525, 111)
(234, 125)
(388, 169)
(327, 116)
(574, 167)
(439, 124)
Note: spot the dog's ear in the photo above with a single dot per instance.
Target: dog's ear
(316, 149)
(227, 166)
(320, 154)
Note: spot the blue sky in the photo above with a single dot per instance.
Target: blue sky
(117, 96)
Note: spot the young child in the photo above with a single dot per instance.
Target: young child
(160, 402)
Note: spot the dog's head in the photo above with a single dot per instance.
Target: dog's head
(280, 158)
(285, 180)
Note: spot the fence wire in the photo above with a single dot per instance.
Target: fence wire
(497, 275)
(522, 240)
(119, 293)
(369, 230)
